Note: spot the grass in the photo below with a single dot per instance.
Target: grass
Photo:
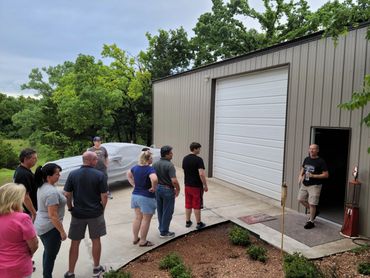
(44, 155)
(6, 176)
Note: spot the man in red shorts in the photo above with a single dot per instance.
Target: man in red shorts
(195, 184)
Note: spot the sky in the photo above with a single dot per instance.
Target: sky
(39, 33)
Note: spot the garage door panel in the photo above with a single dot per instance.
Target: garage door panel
(226, 139)
(270, 190)
(252, 121)
(253, 93)
(257, 132)
(249, 131)
(253, 79)
(239, 157)
(266, 178)
(254, 111)
(254, 151)
(253, 101)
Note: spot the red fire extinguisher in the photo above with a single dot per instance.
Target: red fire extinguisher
(351, 213)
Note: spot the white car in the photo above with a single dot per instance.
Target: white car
(121, 158)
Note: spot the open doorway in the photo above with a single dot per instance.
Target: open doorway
(334, 146)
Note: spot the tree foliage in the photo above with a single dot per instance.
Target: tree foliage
(168, 53)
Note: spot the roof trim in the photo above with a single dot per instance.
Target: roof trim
(291, 43)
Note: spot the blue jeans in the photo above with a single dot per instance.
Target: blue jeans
(51, 241)
(165, 206)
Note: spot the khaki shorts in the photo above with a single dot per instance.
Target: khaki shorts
(78, 226)
(310, 193)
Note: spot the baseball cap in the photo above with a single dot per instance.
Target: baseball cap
(97, 138)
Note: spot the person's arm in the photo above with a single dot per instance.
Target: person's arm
(323, 175)
(154, 180)
(202, 175)
(54, 218)
(29, 205)
(106, 158)
(33, 244)
(176, 185)
(69, 200)
(301, 175)
(130, 178)
(104, 199)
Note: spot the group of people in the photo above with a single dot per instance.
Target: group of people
(85, 193)
(32, 206)
(156, 188)
(37, 208)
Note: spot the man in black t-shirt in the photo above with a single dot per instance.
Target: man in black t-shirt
(23, 175)
(86, 191)
(313, 171)
(195, 184)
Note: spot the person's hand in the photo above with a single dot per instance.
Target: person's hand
(205, 188)
(177, 192)
(151, 190)
(63, 235)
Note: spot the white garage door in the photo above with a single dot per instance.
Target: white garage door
(249, 130)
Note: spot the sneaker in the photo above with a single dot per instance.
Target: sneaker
(110, 196)
(188, 224)
(200, 225)
(309, 225)
(98, 271)
(69, 275)
(167, 235)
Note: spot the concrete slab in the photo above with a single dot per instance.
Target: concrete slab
(222, 202)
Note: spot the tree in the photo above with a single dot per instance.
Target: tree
(168, 53)
(220, 35)
(8, 107)
(134, 86)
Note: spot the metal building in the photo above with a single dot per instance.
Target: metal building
(255, 116)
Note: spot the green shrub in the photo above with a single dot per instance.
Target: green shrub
(174, 263)
(180, 271)
(8, 157)
(170, 261)
(364, 268)
(116, 274)
(257, 253)
(297, 266)
(239, 236)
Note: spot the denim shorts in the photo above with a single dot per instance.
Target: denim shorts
(145, 204)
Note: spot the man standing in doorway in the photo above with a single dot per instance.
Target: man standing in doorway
(102, 154)
(86, 191)
(23, 175)
(313, 171)
(167, 190)
(195, 184)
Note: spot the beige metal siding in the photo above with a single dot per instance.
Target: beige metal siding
(321, 76)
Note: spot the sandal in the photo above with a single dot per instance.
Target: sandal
(147, 244)
(136, 241)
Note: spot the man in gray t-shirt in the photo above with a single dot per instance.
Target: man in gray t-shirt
(102, 154)
(167, 190)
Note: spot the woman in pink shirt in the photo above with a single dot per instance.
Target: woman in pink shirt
(18, 241)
